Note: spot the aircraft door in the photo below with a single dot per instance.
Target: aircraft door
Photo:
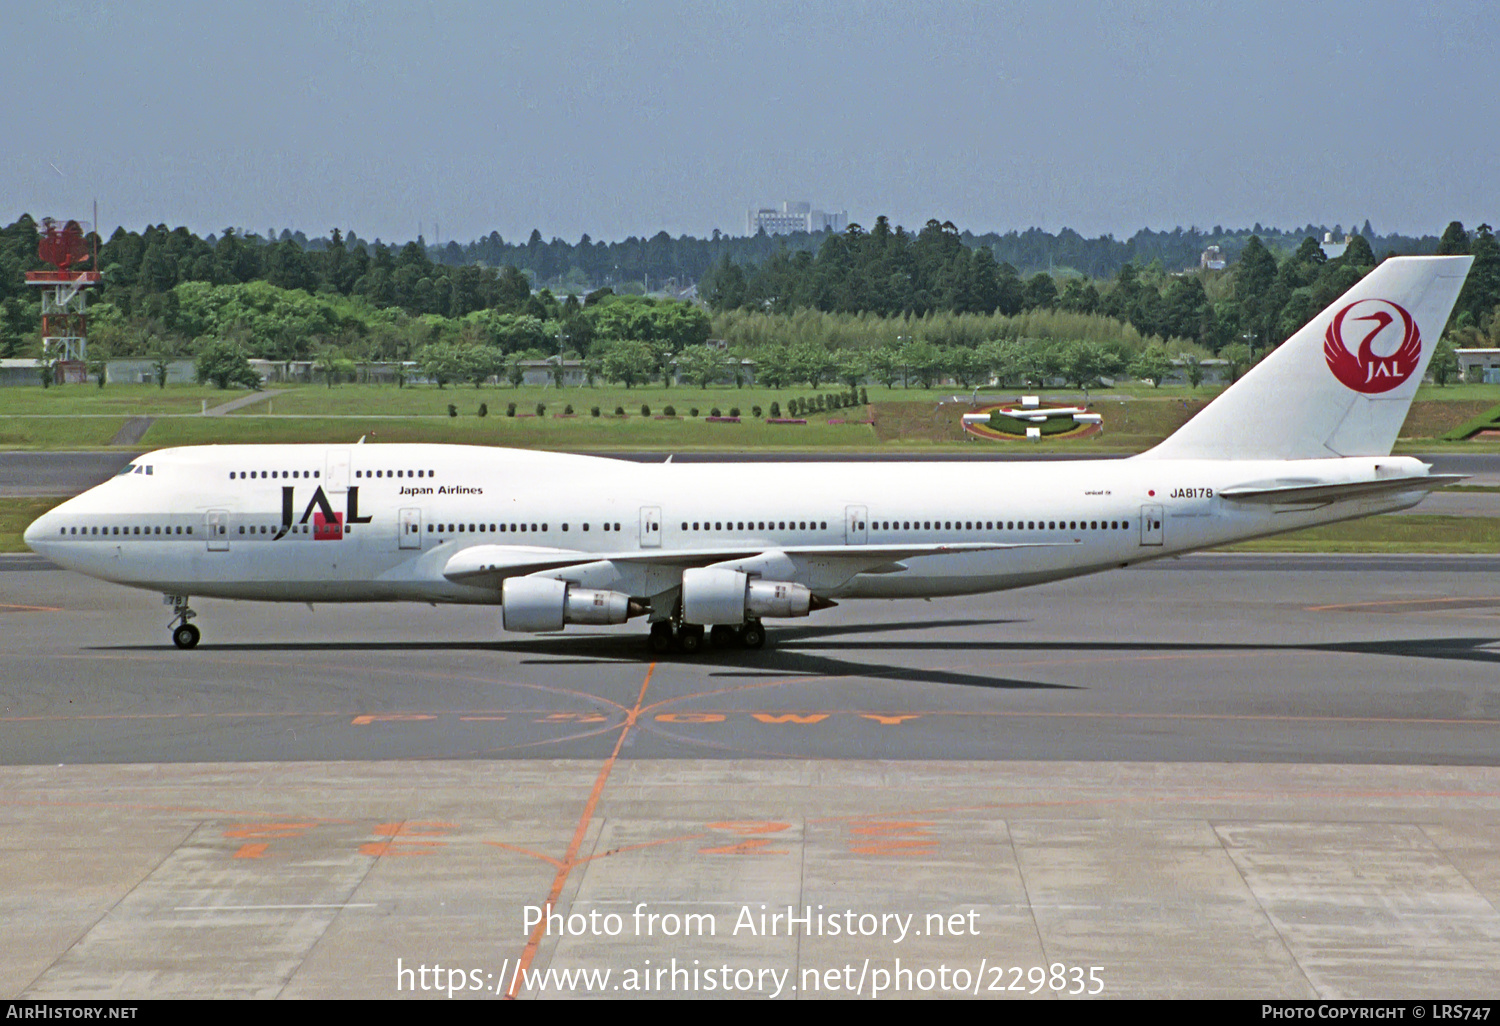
(1151, 526)
(338, 472)
(216, 524)
(411, 529)
(650, 527)
(856, 526)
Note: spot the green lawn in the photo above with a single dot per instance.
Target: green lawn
(58, 432)
(86, 417)
(120, 400)
(422, 400)
(15, 515)
(532, 432)
(1415, 532)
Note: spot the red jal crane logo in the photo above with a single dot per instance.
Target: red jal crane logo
(1387, 346)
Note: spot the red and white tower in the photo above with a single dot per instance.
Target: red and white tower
(64, 299)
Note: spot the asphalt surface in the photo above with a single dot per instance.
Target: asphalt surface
(1226, 775)
(1211, 658)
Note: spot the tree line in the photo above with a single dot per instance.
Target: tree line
(292, 298)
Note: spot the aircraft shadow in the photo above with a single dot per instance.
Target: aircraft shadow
(833, 652)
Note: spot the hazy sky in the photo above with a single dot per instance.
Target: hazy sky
(621, 118)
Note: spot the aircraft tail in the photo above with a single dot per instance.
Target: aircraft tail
(1343, 384)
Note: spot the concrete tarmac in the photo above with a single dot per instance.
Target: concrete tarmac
(1220, 776)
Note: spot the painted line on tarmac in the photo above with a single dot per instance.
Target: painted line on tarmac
(570, 859)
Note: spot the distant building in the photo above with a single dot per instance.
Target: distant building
(793, 217)
(1332, 247)
(1212, 259)
(1479, 365)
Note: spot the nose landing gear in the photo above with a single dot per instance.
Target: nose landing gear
(184, 634)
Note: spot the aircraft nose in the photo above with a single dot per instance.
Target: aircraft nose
(38, 530)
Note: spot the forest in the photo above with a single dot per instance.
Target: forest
(931, 303)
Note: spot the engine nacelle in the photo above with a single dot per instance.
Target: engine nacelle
(533, 604)
(714, 595)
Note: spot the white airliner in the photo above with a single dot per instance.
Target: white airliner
(1303, 439)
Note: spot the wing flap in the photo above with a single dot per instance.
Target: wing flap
(492, 564)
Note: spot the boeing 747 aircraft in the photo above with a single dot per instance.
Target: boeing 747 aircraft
(1303, 439)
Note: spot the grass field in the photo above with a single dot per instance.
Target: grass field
(119, 400)
(1414, 532)
(86, 417)
(570, 433)
(15, 514)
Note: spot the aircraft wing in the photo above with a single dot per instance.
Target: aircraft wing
(491, 564)
(1312, 491)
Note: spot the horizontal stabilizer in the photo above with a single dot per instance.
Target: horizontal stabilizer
(1293, 491)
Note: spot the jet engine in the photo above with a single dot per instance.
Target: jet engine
(533, 604)
(714, 595)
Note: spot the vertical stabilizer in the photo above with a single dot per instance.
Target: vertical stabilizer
(1342, 385)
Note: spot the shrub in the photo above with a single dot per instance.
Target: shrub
(568, 409)
(775, 410)
(452, 410)
(541, 409)
(594, 411)
(645, 410)
(510, 409)
(734, 411)
(669, 411)
(755, 411)
(484, 409)
(619, 411)
(714, 412)
(693, 412)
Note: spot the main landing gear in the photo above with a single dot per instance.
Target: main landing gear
(688, 638)
(184, 634)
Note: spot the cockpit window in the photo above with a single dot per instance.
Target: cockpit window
(128, 468)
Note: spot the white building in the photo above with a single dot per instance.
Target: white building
(1479, 365)
(793, 216)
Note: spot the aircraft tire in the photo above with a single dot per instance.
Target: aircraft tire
(689, 639)
(186, 636)
(753, 634)
(722, 635)
(661, 636)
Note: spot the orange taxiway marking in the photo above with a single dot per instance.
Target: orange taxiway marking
(570, 859)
